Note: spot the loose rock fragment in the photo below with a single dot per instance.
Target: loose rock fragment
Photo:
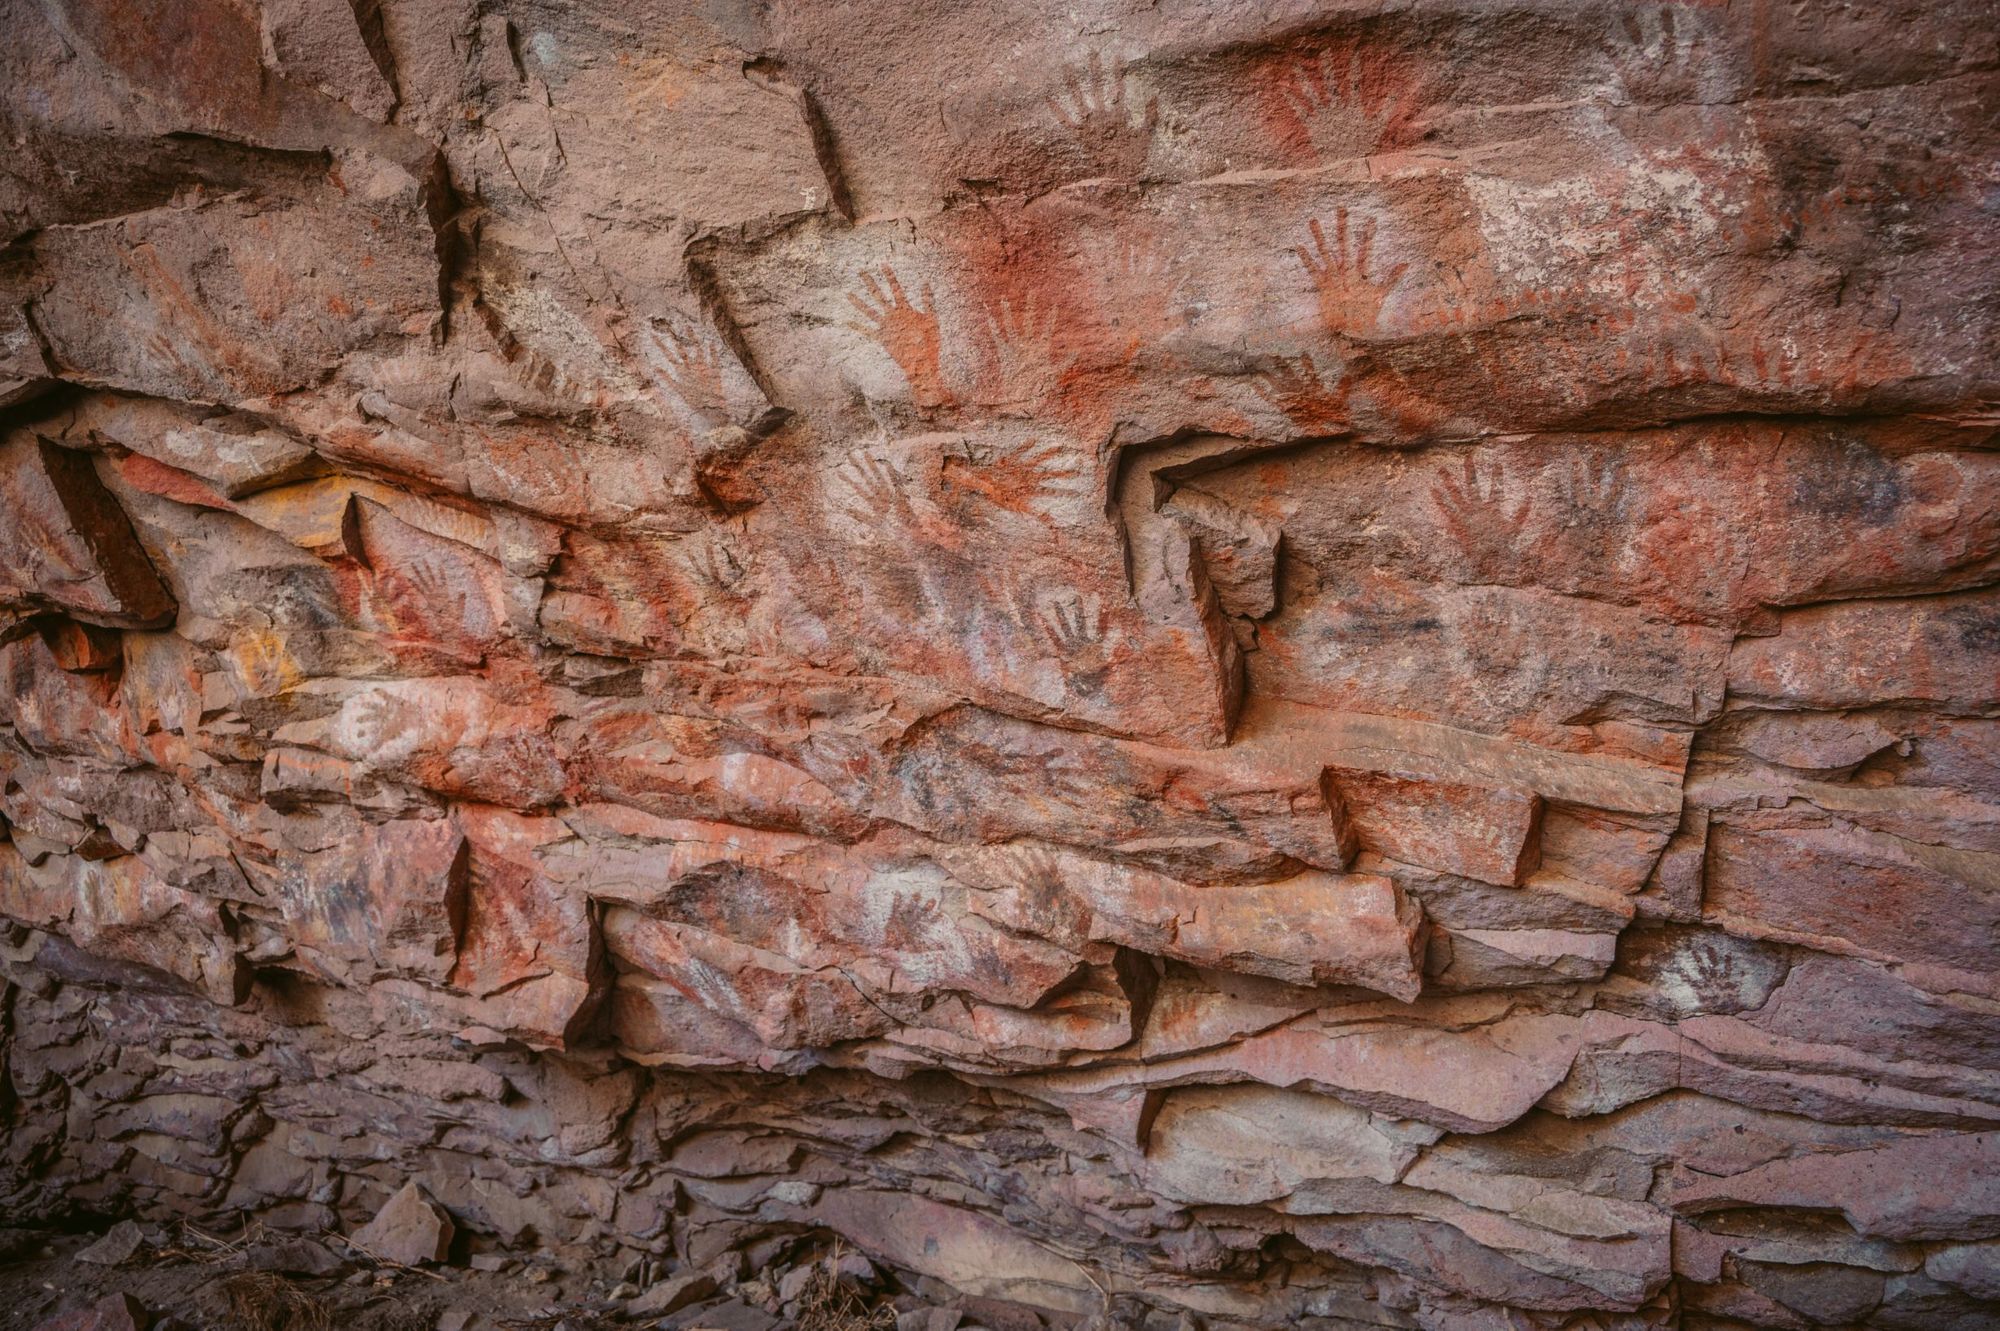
(671, 1294)
(117, 1247)
(409, 1230)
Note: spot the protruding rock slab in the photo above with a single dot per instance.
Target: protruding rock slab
(410, 1229)
(66, 545)
(1491, 834)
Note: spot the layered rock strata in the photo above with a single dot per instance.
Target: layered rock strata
(1303, 665)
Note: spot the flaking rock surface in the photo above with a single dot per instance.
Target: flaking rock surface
(1300, 664)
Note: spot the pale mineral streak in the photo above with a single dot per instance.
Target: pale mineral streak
(1298, 665)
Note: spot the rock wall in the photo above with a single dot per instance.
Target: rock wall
(1301, 663)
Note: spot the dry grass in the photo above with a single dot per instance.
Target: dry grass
(260, 1301)
(579, 1319)
(831, 1304)
(195, 1244)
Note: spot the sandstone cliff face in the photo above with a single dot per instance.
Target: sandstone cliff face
(1310, 664)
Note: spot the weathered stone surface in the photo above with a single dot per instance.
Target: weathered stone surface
(23, 367)
(1275, 666)
(240, 297)
(1922, 1188)
(236, 455)
(113, 1312)
(1936, 652)
(326, 48)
